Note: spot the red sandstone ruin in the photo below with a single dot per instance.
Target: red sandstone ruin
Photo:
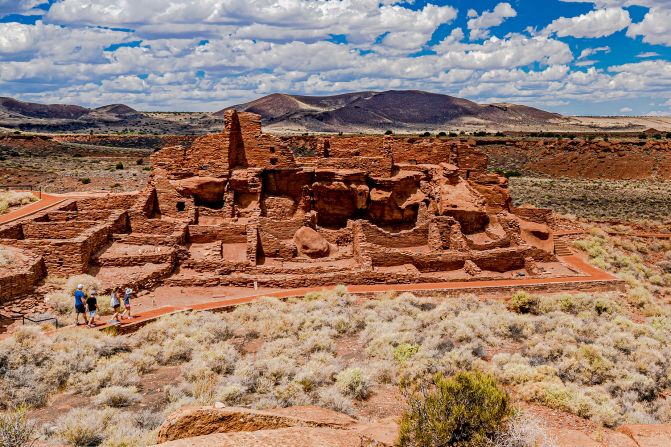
(244, 207)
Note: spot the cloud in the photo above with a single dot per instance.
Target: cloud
(655, 27)
(205, 54)
(363, 21)
(18, 6)
(626, 110)
(647, 54)
(597, 23)
(591, 51)
(480, 25)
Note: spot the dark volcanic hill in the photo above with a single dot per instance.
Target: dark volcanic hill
(34, 117)
(60, 117)
(403, 110)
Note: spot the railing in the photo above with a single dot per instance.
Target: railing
(31, 188)
(39, 319)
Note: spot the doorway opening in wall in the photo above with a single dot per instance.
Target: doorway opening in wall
(181, 206)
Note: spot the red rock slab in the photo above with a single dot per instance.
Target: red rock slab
(574, 438)
(648, 435)
(192, 422)
(614, 439)
(382, 433)
(283, 437)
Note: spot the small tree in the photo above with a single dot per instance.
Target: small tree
(466, 410)
(389, 132)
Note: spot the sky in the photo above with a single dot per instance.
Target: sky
(576, 57)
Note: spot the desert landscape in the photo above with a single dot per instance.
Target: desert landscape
(349, 267)
(335, 223)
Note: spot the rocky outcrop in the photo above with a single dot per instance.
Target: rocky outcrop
(191, 422)
(310, 243)
(648, 435)
(293, 426)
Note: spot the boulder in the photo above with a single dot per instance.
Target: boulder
(192, 422)
(471, 268)
(310, 243)
(206, 189)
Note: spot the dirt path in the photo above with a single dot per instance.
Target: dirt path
(46, 201)
(591, 275)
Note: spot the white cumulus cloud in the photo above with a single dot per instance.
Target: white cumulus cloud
(480, 25)
(597, 23)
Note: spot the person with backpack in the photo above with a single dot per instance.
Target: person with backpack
(116, 305)
(126, 303)
(92, 305)
(79, 304)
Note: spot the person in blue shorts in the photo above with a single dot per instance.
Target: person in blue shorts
(92, 305)
(126, 303)
(79, 304)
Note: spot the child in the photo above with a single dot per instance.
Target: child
(116, 305)
(79, 304)
(92, 304)
(126, 303)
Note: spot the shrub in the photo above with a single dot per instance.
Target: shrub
(15, 429)
(353, 382)
(119, 166)
(404, 351)
(117, 396)
(85, 180)
(468, 409)
(84, 426)
(389, 132)
(332, 398)
(60, 302)
(524, 430)
(523, 303)
(88, 281)
(139, 162)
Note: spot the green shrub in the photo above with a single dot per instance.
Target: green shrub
(119, 166)
(523, 303)
(466, 410)
(404, 351)
(85, 180)
(389, 132)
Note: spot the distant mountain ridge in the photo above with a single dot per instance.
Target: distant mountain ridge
(35, 116)
(394, 109)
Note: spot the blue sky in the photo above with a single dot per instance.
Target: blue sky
(581, 57)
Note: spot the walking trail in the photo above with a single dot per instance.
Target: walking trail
(591, 275)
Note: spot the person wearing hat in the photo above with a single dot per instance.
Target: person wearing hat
(126, 303)
(79, 304)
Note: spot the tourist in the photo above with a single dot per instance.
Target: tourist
(126, 303)
(116, 305)
(92, 305)
(79, 304)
